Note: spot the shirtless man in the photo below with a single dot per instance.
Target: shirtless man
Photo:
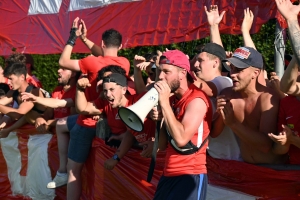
(249, 108)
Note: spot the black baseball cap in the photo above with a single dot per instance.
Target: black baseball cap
(119, 79)
(216, 50)
(245, 57)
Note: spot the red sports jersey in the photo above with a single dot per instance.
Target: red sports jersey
(90, 66)
(289, 115)
(177, 164)
(32, 80)
(116, 124)
(59, 93)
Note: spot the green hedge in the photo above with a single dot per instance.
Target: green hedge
(47, 65)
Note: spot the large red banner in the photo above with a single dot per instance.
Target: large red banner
(128, 179)
(42, 26)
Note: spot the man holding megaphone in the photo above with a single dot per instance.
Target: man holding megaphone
(187, 118)
(114, 91)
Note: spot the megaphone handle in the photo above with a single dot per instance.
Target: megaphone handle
(154, 152)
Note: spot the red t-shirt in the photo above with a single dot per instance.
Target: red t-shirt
(289, 115)
(90, 66)
(130, 86)
(32, 80)
(59, 93)
(177, 164)
(117, 126)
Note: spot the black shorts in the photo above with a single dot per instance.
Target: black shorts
(184, 187)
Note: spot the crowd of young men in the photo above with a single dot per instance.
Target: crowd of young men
(240, 117)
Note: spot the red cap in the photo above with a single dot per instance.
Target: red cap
(178, 59)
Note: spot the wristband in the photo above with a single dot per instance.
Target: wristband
(72, 39)
(80, 88)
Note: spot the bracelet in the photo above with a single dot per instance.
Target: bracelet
(84, 41)
(80, 88)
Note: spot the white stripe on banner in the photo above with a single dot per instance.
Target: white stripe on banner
(85, 4)
(44, 7)
(53, 6)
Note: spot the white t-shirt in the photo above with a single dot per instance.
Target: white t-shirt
(226, 145)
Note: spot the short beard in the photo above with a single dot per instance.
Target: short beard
(64, 83)
(174, 85)
(241, 88)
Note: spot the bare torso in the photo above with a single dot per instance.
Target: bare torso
(249, 111)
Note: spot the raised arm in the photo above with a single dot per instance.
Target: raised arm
(288, 83)
(290, 13)
(49, 102)
(65, 60)
(82, 105)
(246, 27)
(140, 64)
(182, 132)
(214, 18)
(95, 49)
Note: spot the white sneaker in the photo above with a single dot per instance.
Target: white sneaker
(58, 181)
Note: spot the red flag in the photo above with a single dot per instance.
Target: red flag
(42, 26)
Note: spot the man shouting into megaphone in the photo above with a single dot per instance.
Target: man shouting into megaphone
(115, 96)
(187, 118)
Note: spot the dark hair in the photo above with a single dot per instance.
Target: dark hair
(77, 75)
(150, 56)
(110, 68)
(16, 57)
(16, 68)
(29, 60)
(2, 93)
(4, 87)
(112, 38)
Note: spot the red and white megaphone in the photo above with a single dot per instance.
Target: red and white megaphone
(133, 116)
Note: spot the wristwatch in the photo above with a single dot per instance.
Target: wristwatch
(116, 157)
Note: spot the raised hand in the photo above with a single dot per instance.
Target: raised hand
(138, 60)
(80, 27)
(164, 92)
(140, 63)
(247, 21)
(287, 9)
(28, 97)
(83, 29)
(228, 54)
(274, 81)
(83, 83)
(213, 16)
